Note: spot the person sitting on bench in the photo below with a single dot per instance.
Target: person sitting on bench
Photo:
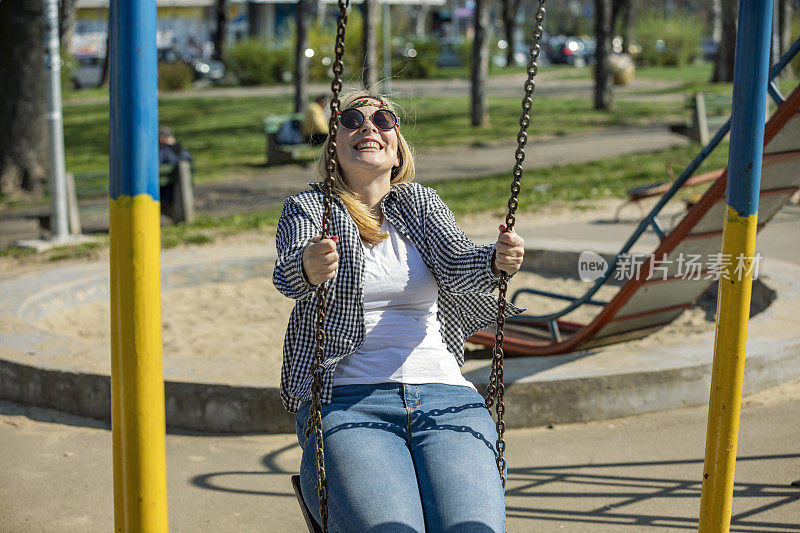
(170, 152)
(315, 122)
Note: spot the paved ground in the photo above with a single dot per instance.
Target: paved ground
(627, 475)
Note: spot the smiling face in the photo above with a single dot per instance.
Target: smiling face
(366, 152)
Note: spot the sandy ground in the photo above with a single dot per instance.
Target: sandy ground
(234, 331)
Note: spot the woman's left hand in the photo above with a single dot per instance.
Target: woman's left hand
(509, 251)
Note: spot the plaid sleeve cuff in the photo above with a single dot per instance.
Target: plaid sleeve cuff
(296, 277)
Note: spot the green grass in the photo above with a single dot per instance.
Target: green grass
(570, 185)
(226, 138)
(83, 250)
(206, 229)
(573, 184)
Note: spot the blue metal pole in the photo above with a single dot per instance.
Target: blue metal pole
(750, 79)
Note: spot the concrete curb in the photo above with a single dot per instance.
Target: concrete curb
(605, 383)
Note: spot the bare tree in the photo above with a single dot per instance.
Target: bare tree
(300, 59)
(370, 44)
(785, 17)
(107, 58)
(509, 10)
(67, 17)
(221, 34)
(23, 135)
(723, 67)
(622, 19)
(603, 90)
(480, 65)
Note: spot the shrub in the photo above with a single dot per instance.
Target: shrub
(672, 41)
(67, 66)
(254, 62)
(423, 62)
(174, 76)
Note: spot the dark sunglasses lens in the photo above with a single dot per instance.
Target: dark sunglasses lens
(384, 120)
(351, 118)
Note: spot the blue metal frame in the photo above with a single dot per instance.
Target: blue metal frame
(650, 219)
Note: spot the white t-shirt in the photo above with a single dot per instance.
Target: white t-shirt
(403, 340)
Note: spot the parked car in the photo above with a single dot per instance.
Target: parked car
(710, 47)
(88, 71)
(449, 55)
(205, 69)
(575, 51)
(521, 53)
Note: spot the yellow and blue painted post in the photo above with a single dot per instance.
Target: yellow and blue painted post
(137, 383)
(738, 239)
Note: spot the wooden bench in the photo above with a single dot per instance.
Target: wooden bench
(709, 112)
(94, 186)
(278, 153)
(637, 194)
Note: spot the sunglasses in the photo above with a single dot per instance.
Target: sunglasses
(352, 119)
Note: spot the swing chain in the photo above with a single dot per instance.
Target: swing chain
(314, 423)
(496, 388)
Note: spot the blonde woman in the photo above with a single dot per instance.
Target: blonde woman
(409, 444)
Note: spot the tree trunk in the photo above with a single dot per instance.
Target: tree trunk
(23, 105)
(107, 58)
(67, 17)
(620, 16)
(603, 90)
(785, 17)
(716, 20)
(370, 44)
(300, 59)
(723, 67)
(480, 65)
(510, 8)
(221, 34)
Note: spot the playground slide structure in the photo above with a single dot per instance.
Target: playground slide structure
(656, 296)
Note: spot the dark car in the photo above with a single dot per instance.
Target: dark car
(710, 47)
(521, 53)
(562, 49)
(203, 69)
(88, 71)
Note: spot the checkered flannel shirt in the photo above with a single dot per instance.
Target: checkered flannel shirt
(462, 271)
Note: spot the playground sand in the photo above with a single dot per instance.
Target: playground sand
(233, 332)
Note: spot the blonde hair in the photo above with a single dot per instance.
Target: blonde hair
(369, 227)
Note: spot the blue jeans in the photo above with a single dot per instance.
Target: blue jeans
(405, 458)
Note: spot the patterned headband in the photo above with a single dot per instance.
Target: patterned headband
(382, 104)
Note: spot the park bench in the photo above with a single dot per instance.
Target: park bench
(709, 113)
(91, 189)
(639, 193)
(278, 153)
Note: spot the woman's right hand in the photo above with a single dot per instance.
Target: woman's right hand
(320, 259)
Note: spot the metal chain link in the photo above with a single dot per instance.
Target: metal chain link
(496, 388)
(314, 423)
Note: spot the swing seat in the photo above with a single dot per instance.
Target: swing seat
(313, 526)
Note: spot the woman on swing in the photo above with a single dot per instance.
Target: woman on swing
(409, 444)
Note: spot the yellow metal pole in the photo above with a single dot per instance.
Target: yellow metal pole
(722, 432)
(738, 244)
(116, 377)
(142, 385)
